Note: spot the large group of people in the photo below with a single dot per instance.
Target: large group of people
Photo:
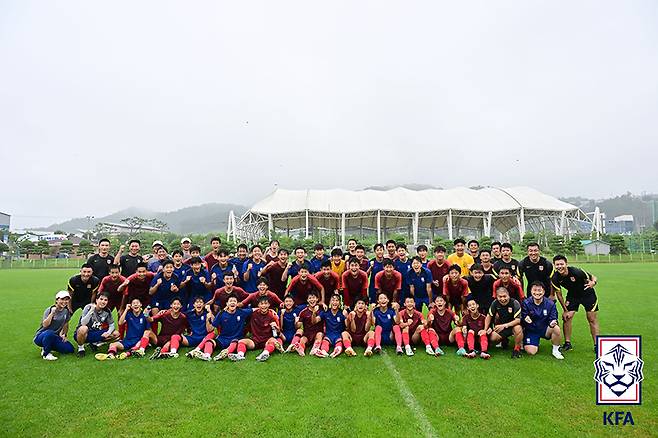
(222, 305)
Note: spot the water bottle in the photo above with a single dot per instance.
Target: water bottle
(275, 332)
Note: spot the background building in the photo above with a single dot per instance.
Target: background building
(5, 219)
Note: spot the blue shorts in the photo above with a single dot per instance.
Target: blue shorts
(532, 338)
(333, 337)
(193, 340)
(289, 335)
(161, 304)
(388, 338)
(224, 342)
(93, 336)
(420, 302)
(129, 343)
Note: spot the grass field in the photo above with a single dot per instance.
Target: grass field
(293, 396)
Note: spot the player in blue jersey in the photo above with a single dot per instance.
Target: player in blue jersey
(164, 287)
(288, 314)
(196, 319)
(334, 332)
(387, 331)
(252, 268)
(539, 317)
(197, 281)
(421, 251)
(376, 266)
(221, 268)
(402, 264)
(419, 280)
(137, 334)
(319, 257)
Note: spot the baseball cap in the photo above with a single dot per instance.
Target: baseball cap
(185, 239)
(157, 243)
(62, 294)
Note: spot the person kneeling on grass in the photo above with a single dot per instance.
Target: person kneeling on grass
(358, 326)
(412, 324)
(505, 314)
(309, 327)
(137, 334)
(386, 330)
(287, 317)
(264, 328)
(439, 326)
(172, 325)
(472, 326)
(335, 334)
(539, 316)
(51, 334)
(196, 321)
(96, 325)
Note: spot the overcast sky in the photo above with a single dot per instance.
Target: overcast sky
(171, 104)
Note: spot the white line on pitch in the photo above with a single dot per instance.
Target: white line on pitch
(409, 398)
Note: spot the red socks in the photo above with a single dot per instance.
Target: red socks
(405, 338)
(371, 342)
(242, 348)
(269, 347)
(165, 349)
(175, 343)
(347, 343)
(208, 347)
(143, 343)
(425, 336)
(378, 336)
(459, 338)
(295, 339)
(397, 334)
(484, 343)
(325, 345)
(232, 347)
(470, 340)
(434, 339)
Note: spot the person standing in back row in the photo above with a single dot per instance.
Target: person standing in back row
(100, 263)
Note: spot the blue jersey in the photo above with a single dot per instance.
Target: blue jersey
(384, 319)
(334, 325)
(197, 322)
(419, 281)
(219, 272)
(163, 295)
(288, 322)
(541, 314)
(231, 325)
(294, 269)
(182, 271)
(316, 264)
(403, 268)
(250, 285)
(240, 266)
(195, 288)
(377, 267)
(135, 325)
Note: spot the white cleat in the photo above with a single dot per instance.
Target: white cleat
(263, 356)
(429, 350)
(408, 350)
(236, 357)
(557, 354)
(49, 356)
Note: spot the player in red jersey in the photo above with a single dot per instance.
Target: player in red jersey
(264, 328)
(309, 327)
(358, 326)
(439, 326)
(439, 269)
(172, 325)
(110, 286)
(354, 281)
(389, 281)
(219, 299)
(274, 270)
(455, 288)
(329, 280)
(360, 253)
(512, 284)
(472, 327)
(411, 322)
(212, 258)
(137, 286)
(303, 284)
(263, 291)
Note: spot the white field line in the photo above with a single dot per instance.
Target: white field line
(409, 398)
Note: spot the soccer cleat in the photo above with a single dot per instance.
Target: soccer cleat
(139, 352)
(408, 350)
(81, 353)
(368, 352)
(205, 357)
(516, 354)
(279, 346)
(222, 355)
(398, 350)
(291, 347)
(123, 355)
(484, 355)
(263, 356)
(314, 351)
(336, 352)
(321, 353)
(567, 346)
(300, 350)
(236, 357)
(461, 352)
(350, 352)
(173, 355)
(378, 349)
(192, 353)
(438, 351)
(156, 354)
(471, 354)
(103, 356)
(429, 350)
(557, 354)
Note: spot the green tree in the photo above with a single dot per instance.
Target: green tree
(43, 247)
(556, 244)
(26, 246)
(4, 247)
(574, 245)
(485, 242)
(528, 238)
(617, 244)
(85, 247)
(66, 246)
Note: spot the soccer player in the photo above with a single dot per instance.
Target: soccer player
(421, 251)
(197, 280)
(173, 324)
(272, 251)
(334, 332)
(495, 251)
(439, 269)
(239, 262)
(355, 282)
(580, 291)
(439, 326)
(262, 290)
(389, 282)
(181, 270)
(539, 316)
(288, 315)
(338, 264)
(480, 286)
(136, 286)
(329, 280)
(264, 328)
(110, 286)
(309, 327)
(505, 314)
(220, 297)
(96, 324)
(474, 250)
(155, 264)
(472, 327)
(485, 262)
(387, 331)
(402, 265)
(507, 261)
(82, 288)
(460, 258)
(100, 262)
(164, 287)
(252, 269)
(185, 245)
(391, 249)
(420, 283)
(137, 333)
(360, 252)
(220, 268)
(358, 326)
(376, 266)
(128, 262)
(535, 267)
(510, 283)
(319, 257)
(196, 320)
(51, 335)
(351, 249)
(411, 322)
(273, 271)
(303, 284)
(295, 266)
(455, 289)
(212, 258)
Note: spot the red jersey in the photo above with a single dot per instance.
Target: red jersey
(388, 284)
(415, 317)
(364, 264)
(515, 290)
(112, 287)
(221, 295)
(299, 289)
(260, 327)
(210, 260)
(330, 283)
(442, 324)
(454, 291)
(310, 329)
(273, 274)
(252, 299)
(360, 325)
(170, 325)
(473, 324)
(139, 288)
(354, 286)
(438, 272)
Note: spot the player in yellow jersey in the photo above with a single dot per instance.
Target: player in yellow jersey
(460, 258)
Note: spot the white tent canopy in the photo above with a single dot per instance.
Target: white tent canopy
(489, 209)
